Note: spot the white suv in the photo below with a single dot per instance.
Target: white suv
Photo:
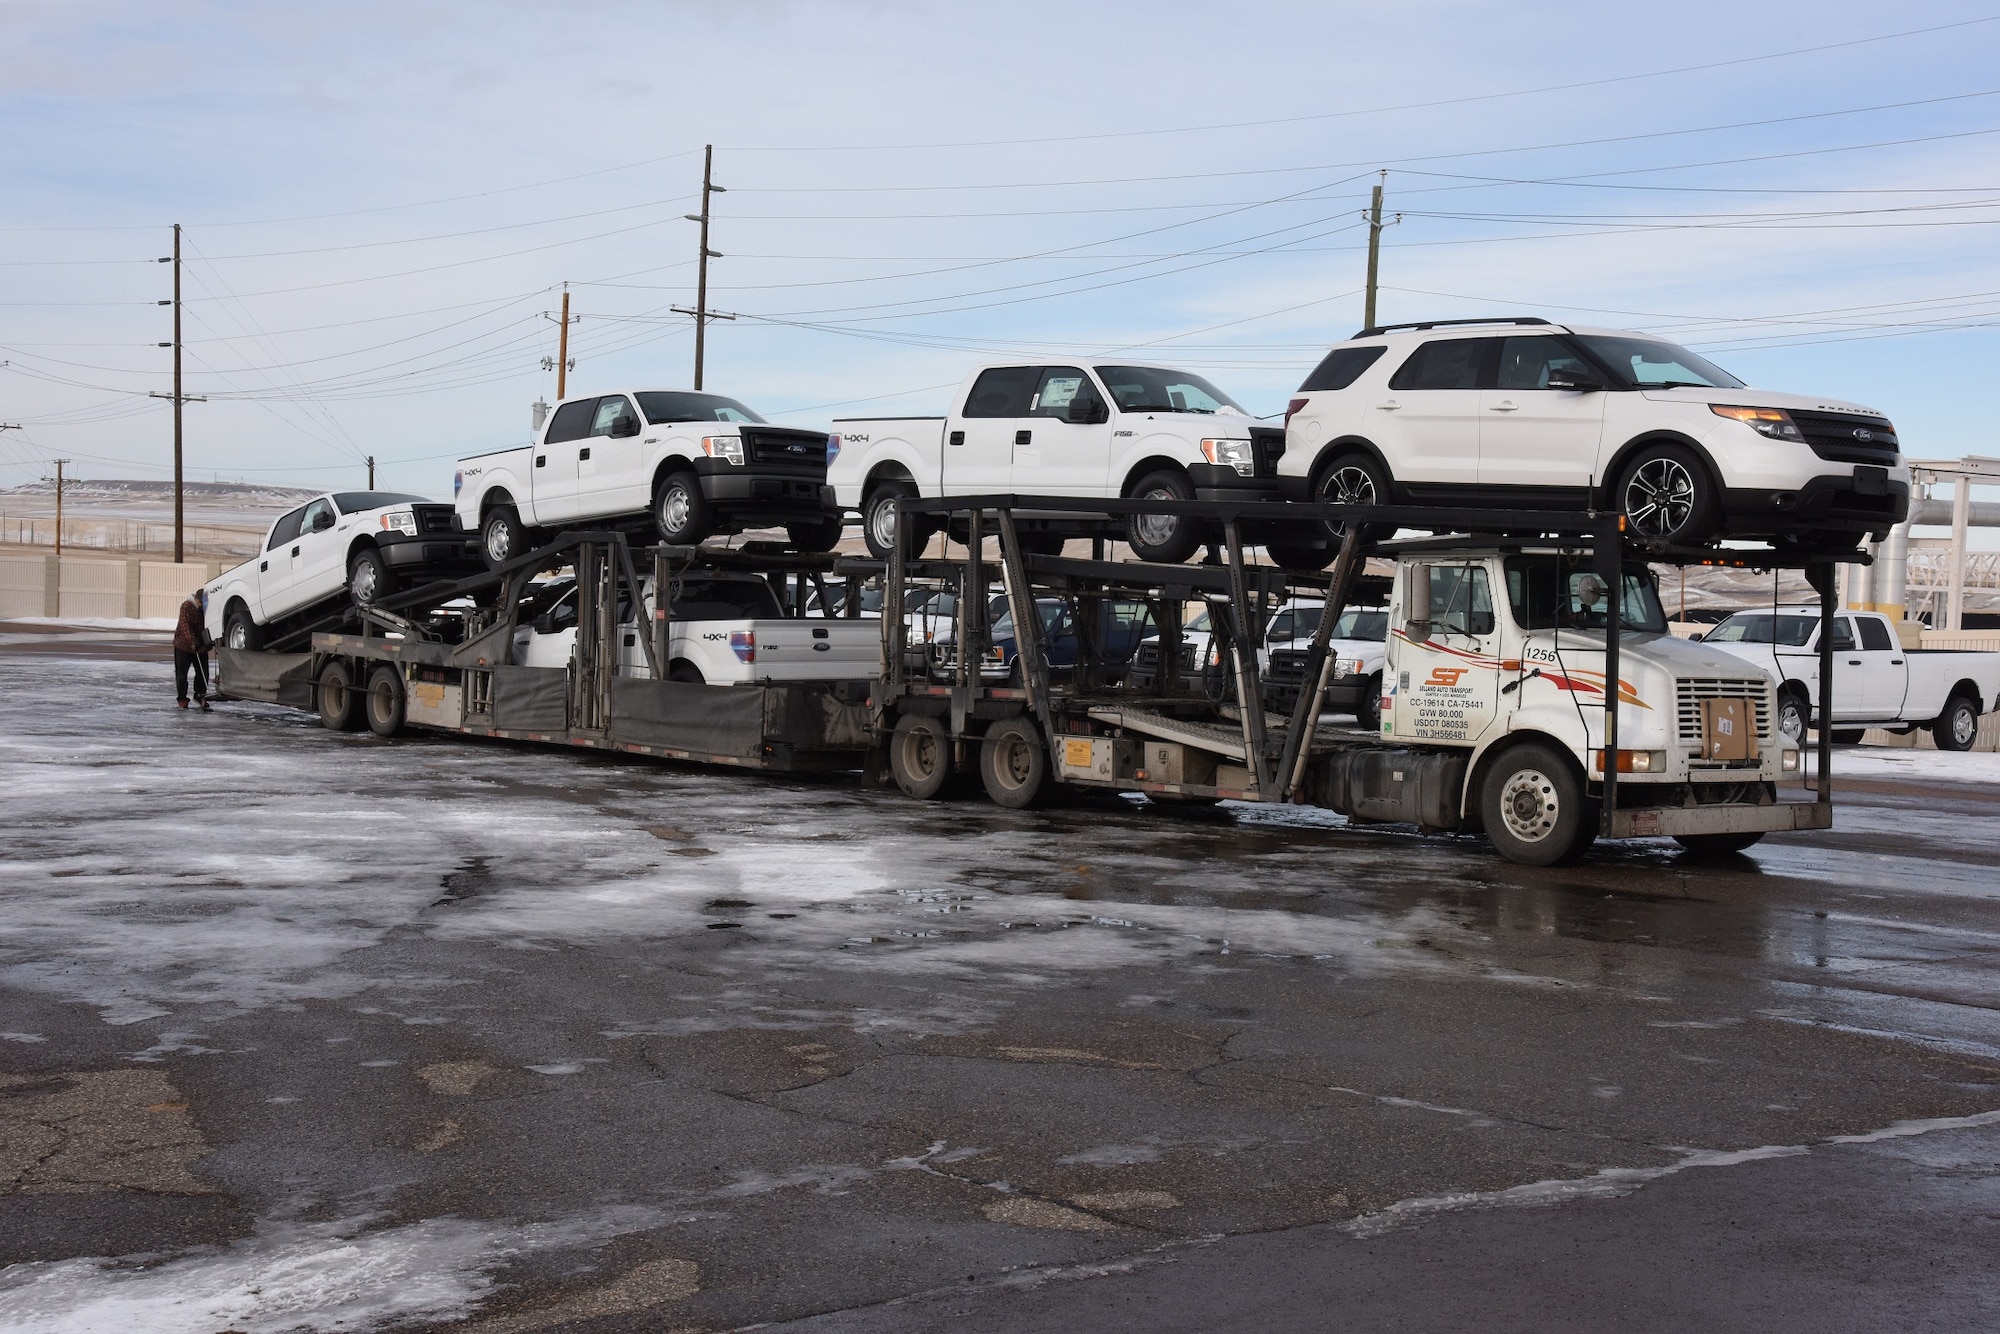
(1524, 413)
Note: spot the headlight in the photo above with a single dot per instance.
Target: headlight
(1789, 762)
(1236, 454)
(1633, 761)
(728, 447)
(400, 521)
(1773, 422)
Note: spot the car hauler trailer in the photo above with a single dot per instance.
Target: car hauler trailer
(415, 663)
(1511, 703)
(1530, 689)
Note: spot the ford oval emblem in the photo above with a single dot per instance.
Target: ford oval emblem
(1864, 435)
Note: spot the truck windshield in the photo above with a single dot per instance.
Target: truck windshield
(353, 502)
(1545, 594)
(724, 600)
(662, 406)
(1651, 363)
(1149, 389)
(1763, 627)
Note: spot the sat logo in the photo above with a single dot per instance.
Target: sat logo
(1445, 676)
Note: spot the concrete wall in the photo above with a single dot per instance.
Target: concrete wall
(107, 589)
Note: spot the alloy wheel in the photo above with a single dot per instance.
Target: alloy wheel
(1659, 497)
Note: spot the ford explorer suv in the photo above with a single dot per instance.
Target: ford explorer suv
(1097, 430)
(697, 464)
(1525, 413)
(342, 547)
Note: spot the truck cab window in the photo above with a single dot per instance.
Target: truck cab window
(285, 530)
(1004, 391)
(1461, 600)
(1874, 634)
(1062, 388)
(611, 409)
(317, 515)
(1843, 636)
(1543, 592)
(1149, 389)
(571, 422)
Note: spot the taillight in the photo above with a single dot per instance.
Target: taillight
(1296, 405)
(743, 643)
(832, 448)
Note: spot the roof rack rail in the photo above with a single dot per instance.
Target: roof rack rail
(1372, 330)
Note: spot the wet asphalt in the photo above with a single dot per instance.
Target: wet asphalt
(307, 1030)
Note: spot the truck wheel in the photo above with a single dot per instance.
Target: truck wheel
(686, 673)
(1299, 557)
(920, 756)
(1369, 715)
(368, 578)
(1958, 726)
(1352, 479)
(823, 535)
(1534, 808)
(239, 631)
(1794, 716)
(1012, 764)
(1167, 539)
(1716, 845)
(339, 703)
(680, 511)
(502, 536)
(385, 701)
(878, 522)
(1666, 496)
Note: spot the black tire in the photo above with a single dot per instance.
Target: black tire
(1300, 557)
(1534, 807)
(1716, 845)
(1957, 728)
(686, 672)
(1354, 478)
(1013, 765)
(339, 703)
(1666, 495)
(878, 522)
(385, 701)
(368, 578)
(816, 536)
(1369, 715)
(502, 536)
(920, 756)
(1166, 540)
(1848, 736)
(239, 631)
(681, 513)
(1794, 716)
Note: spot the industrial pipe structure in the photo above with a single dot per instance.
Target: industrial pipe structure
(1887, 583)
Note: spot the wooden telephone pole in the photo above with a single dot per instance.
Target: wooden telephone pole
(1375, 226)
(177, 396)
(702, 314)
(60, 464)
(561, 365)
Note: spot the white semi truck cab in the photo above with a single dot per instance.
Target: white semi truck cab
(1497, 655)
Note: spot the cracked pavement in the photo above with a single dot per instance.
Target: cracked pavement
(435, 1034)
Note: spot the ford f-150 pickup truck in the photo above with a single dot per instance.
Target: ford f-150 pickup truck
(1358, 648)
(698, 464)
(1876, 681)
(345, 544)
(1099, 430)
(722, 629)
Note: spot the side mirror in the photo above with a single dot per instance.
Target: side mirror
(1576, 381)
(1087, 412)
(322, 521)
(545, 624)
(1590, 590)
(1696, 637)
(625, 426)
(1417, 603)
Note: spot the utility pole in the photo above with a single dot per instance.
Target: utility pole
(60, 463)
(1375, 225)
(561, 365)
(701, 312)
(371, 472)
(177, 396)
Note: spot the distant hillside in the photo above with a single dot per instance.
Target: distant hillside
(255, 494)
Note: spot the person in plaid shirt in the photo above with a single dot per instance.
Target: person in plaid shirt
(191, 645)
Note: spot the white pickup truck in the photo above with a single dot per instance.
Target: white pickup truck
(698, 464)
(723, 629)
(1876, 681)
(1108, 430)
(1358, 648)
(343, 545)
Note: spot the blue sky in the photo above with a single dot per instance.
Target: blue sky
(383, 202)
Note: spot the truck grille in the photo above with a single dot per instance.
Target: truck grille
(1267, 446)
(1148, 657)
(1690, 694)
(433, 518)
(1287, 664)
(802, 451)
(1836, 437)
